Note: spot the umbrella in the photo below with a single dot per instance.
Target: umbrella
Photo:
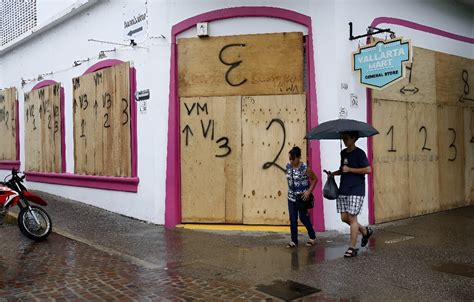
(334, 129)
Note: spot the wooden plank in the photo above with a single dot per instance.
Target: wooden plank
(451, 157)
(423, 159)
(29, 141)
(100, 106)
(231, 125)
(55, 128)
(121, 119)
(469, 143)
(262, 64)
(8, 124)
(84, 124)
(419, 85)
(454, 79)
(390, 163)
(265, 186)
(210, 159)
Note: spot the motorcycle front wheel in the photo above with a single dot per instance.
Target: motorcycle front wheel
(30, 227)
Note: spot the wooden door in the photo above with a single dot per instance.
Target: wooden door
(230, 89)
(211, 172)
(390, 160)
(271, 126)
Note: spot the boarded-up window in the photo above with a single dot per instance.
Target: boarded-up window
(8, 134)
(102, 133)
(43, 129)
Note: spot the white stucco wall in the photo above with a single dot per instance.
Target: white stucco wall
(56, 49)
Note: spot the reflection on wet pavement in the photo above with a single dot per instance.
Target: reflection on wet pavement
(429, 257)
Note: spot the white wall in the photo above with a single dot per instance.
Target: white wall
(56, 49)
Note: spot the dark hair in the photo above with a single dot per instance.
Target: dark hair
(353, 134)
(295, 152)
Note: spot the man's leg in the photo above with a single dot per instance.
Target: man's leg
(354, 229)
(345, 217)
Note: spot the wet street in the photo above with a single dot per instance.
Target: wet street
(120, 259)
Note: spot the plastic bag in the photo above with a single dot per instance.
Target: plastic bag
(330, 190)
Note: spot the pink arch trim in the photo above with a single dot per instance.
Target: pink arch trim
(415, 26)
(173, 181)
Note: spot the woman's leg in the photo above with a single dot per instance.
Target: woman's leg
(293, 212)
(304, 217)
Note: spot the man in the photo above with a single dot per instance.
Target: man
(354, 166)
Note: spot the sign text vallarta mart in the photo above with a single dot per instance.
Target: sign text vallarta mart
(382, 63)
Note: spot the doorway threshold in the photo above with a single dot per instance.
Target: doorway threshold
(239, 227)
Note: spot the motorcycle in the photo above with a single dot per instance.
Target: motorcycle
(33, 220)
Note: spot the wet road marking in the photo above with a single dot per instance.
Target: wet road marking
(405, 238)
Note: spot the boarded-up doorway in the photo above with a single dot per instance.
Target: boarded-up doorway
(243, 106)
(423, 153)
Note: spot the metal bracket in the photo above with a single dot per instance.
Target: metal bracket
(370, 32)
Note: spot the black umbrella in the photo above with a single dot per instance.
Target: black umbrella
(334, 129)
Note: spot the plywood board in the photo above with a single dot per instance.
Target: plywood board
(8, 110)
(211, 160)
(265, 188)
(122, 141)
(102, 129)
(451, 156)
(42, 129)
(423, 180)
(469, 122)
(263, 64)
(419, 85)
(390, 165)
(454, 79)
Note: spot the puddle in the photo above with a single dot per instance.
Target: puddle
(461, 269)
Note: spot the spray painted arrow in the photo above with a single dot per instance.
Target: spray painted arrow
(132, 32)
(188, 130)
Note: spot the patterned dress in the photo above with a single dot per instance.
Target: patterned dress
(298, 181)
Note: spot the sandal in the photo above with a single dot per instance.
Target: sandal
(290, 245)
(351, 252)
(365, 238)
(311, 242)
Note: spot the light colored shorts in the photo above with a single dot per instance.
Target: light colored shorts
(351, 204)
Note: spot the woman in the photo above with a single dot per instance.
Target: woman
(354, 166)
(301, 180)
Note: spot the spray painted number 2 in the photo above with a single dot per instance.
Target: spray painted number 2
(273, 163)
(426, 136)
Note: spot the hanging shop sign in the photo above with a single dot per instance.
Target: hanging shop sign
(382, 63)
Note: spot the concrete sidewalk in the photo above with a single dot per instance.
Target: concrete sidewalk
(423, 258)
